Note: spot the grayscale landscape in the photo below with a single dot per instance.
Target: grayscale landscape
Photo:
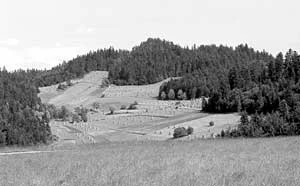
(145, 93)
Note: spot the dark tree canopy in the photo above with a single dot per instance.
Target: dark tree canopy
(155, 60)
(23, 119)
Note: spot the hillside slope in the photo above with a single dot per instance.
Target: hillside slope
(136, 91)
(87, 90)
(81, 92)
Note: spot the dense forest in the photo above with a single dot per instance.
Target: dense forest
(240, 79)
(153, 61)
(23, 119)
(266, 92)
(271, 97)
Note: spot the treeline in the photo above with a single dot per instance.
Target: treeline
(278, 123)
(64, 114)
(23, 119)
(153, 61)
(105, 60)
(198, 85)
(256, 86)
(261, 90)
(271, 96)
(209, 72)
(188, 87)
(267, 89)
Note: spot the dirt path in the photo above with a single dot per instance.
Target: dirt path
(27, 152)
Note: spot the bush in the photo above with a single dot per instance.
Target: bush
(222, 134)
(105, 83)
(123, 107)
(82, 112)
(2, 138)
(62, 87)
(163, 95)
(180, 132)
(76, 118)
(84, 116)
(96, 105)
(133, 106)
(53, 111)
(64, 113)
(179, 94)
(184, 97)
(211, 123)
(69, 83)
(190, 130)
(171, 94)
(112, 109)
(54, 137)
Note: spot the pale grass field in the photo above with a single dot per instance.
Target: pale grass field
(83, 91)
(201, 126)
(274, 161)
(137, 91)
(240, 162)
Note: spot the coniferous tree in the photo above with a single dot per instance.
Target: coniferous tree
(279, 66)
(163, 95)
(171, 94)
(180, 94)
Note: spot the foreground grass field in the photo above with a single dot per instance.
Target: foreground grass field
(274, 161)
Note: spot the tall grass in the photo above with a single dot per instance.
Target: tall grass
(274, 161)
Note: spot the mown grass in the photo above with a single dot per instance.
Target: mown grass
(273, 161)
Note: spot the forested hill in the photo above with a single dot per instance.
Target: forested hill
(155, 60)
(234, 79)
(23, 118)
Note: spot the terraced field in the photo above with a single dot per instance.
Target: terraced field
(152, 120)
(83, 92)
(142, 91)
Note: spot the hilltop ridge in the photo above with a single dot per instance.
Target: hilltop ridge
(155, 60)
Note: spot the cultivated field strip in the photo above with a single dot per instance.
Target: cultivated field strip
(152, 119)
(142, 91)
(81, 92)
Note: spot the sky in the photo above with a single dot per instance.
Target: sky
(43, 33)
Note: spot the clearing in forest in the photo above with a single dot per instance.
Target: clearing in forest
(152, 119)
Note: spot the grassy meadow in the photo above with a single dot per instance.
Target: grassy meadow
(272, 161)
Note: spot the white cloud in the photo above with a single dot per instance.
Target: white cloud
(9, 58)
(10, 42)
(38, 57)
(58, 44)
(85, 30)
